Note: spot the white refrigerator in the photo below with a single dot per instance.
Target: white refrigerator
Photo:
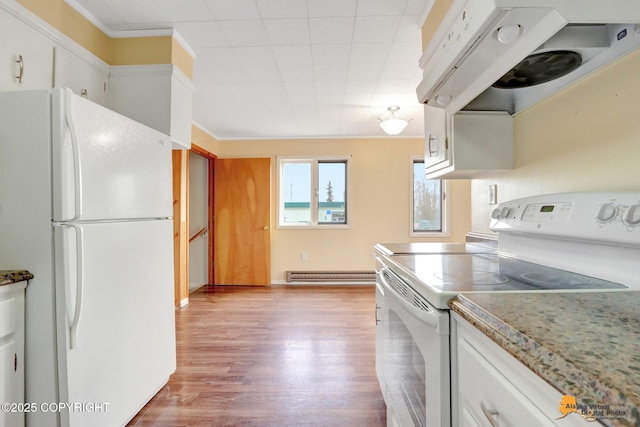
(86, 205)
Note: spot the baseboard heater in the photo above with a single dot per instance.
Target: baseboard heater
(331, 276)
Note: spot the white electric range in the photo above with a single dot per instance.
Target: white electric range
(571, 242)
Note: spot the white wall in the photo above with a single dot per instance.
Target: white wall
(586, 138)
(380, 170)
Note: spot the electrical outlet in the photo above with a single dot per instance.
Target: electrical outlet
(493, 194)
(303, 256)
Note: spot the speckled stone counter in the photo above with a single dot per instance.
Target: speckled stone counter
(586, 345)
(8, 277)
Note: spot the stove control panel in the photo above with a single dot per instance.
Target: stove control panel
(613, 217)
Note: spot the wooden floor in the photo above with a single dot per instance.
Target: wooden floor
(280, 356)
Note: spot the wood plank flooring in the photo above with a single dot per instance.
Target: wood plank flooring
(282, 356)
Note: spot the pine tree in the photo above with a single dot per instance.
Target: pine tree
(329, 192)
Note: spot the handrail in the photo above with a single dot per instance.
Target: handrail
(198, 234)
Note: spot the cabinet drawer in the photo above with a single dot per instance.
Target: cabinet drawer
(480, 383)
(7, 317)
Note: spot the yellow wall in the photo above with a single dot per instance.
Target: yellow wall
(203, 140)
(113, 51)
(437, 13)
(380, 191)
(586, 138)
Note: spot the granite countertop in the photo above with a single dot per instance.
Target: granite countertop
(586, 345)
(8, 277)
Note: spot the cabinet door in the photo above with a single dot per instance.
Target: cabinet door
(436, 138)
(34, 69)
(11, 357)
(380, 339)
(83, 78)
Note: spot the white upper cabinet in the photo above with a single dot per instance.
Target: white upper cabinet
(436, 138)
(467, 144)
(84, 78)
(159, 96)
(26, 57)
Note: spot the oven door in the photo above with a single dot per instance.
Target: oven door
(416, 357)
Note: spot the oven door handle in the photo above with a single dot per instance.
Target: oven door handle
(429, 317)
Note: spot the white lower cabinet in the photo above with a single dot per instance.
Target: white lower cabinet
(12, 354)
(380, 339)
(491, 388)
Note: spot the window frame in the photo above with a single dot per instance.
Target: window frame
(444, 204)
(314, 191)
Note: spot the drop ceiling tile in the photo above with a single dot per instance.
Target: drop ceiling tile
(369, 53)
(213, 58)
(418, 7)
(328, 72)
(276, 9)
(244, 33)
(331, 8)
(393, 71)
(296, 72)
(331, 30)
(292, 55)
(375, 29)
(359, 93)
(225, 10)
(287, 32)
(330, 92)
(263, 74)
(185, 10)
(202, 34)
(407, 29)
(400, 86)
(405, 53)
(100, 11)
(364, 72)
(383, 100)
(138, 12)
(230, 75)
(300, 93)
(381, 7)
(252, 56)
(331, 53)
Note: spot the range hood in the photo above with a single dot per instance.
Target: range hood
(505, 55)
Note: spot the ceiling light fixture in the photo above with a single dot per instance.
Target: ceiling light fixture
(393, 126)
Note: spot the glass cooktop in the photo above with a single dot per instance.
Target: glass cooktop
(439, 278)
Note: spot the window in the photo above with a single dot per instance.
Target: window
(428, 202)
(313, 192)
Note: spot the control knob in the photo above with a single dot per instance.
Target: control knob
(632, 216)
(606, 213)
(505, 211)
(495, 214)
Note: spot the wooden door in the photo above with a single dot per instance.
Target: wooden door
(242, 249)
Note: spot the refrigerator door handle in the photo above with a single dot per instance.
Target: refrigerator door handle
(73, 329)
(77, 171)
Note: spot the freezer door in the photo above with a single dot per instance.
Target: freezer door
(106, 166)
(122, 298)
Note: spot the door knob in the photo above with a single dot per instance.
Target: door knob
(265, 228)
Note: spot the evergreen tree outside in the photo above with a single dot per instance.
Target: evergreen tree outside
(329, 192)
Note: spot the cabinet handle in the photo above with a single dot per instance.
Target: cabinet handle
(490, 414)
(20, 63)
(84, 93)
(377, 308)
(15, 362)
(431, 138)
